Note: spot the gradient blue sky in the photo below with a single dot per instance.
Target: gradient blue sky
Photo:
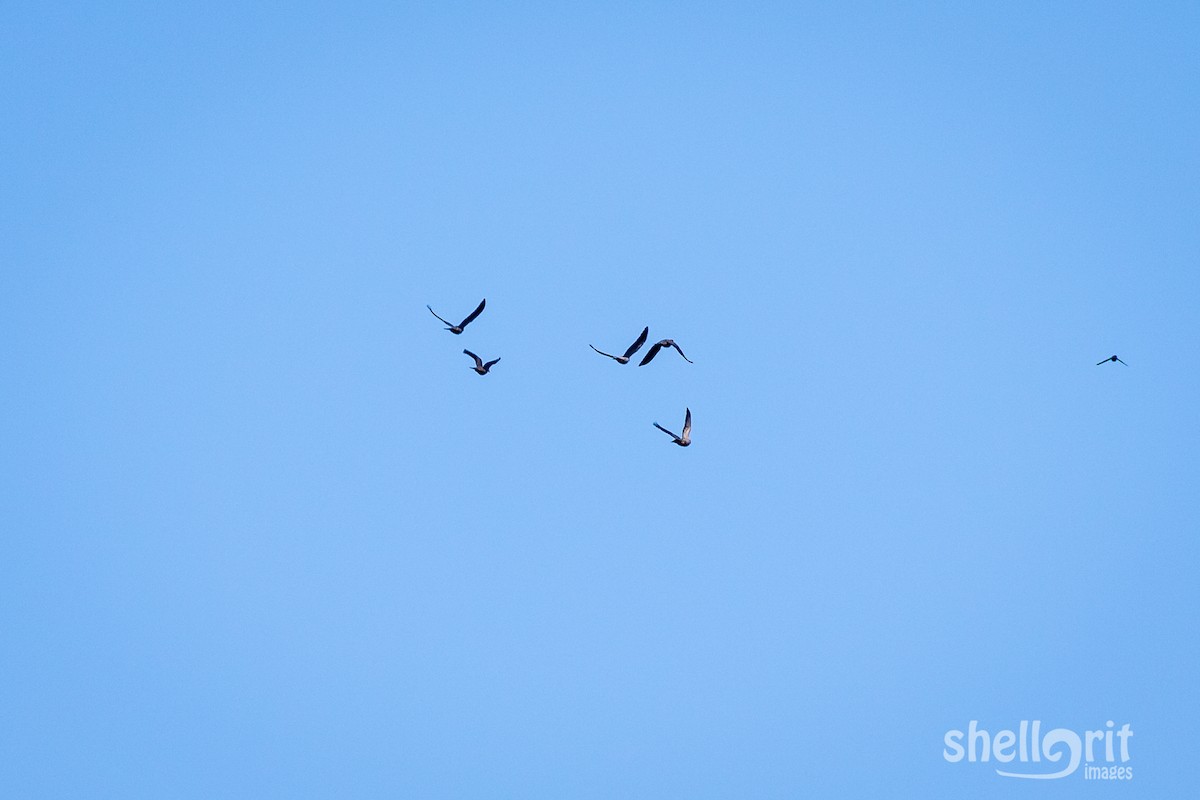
(265, 535)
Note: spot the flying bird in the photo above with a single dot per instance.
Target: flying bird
(480, 367)
(686, 439)
(659, 346)
(633, 348)
(1110, 358)
(457, 329)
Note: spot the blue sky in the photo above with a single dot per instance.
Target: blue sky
(267, 536)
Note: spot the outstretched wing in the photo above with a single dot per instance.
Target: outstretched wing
(474, 314)
(685, 358)
(650, 354)
(641, 340)
(1105, 361)
(601, 352)
(664, 430)
(448, 322)
(489, 364)
(478, 360)
(687, 424)
(1122, 362)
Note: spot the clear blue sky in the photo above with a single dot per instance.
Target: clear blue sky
(266, 536)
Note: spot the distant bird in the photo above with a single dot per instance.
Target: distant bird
(686, 439)
(457, 329)
(480, 367)
(1110, 358)
(633, 348)
(659, 346)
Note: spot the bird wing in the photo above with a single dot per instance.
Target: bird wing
(1122, 362)
(664, 430)
(1105, 361)
(601, 352)
(687, 424)
(685, 358)
(489, 364)
(478, 360)
(653, 351)
(448, 322)
(641, 340)
(473, 314)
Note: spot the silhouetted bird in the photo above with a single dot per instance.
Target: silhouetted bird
(480, 367)
(686, 439)
(633, 348)
(659, 346)
(1110, 358)
(457, 329)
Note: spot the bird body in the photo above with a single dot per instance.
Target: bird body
(1110, 358)
(480, 367)
(457, 329)
(686, 438)
(633, 348)
(659, 346)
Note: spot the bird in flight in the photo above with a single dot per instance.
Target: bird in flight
(457, 329)
(686, 439)
(659, 346)
(633, 348)
(480, 367)
(1110, 358)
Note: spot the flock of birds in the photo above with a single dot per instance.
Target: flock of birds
(482, 367)
(683, 440)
